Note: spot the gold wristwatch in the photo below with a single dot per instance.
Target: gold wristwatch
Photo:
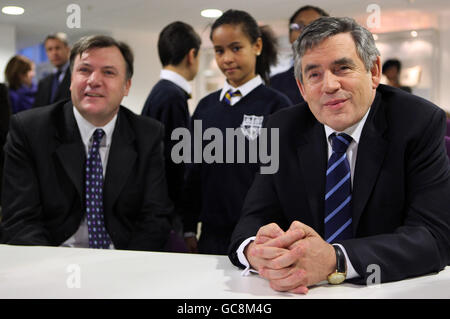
(339, 275)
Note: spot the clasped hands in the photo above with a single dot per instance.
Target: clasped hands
(293, 260)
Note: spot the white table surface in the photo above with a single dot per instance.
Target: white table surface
(55, 272)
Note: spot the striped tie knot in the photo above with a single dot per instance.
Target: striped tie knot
(340, 142)
(231, 94)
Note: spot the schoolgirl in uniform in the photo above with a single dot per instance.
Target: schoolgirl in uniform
(216, 191)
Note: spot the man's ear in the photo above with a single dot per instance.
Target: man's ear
(301, 88)
(127, 87)
(376, 73)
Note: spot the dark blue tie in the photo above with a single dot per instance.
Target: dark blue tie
(338, 191)
(98, 236)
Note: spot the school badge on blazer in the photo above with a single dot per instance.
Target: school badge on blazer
(251, 126)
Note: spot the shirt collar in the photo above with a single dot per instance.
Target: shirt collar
(244, 89)
(354, 131)
(87, 129)
(177, 79)
(63, 68)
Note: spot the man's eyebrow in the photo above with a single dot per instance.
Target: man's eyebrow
(109, 67)
(341, 61)
(309, 67)
(344, 61)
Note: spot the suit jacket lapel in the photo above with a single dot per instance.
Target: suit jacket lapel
(63, 86)
(312, 154)
(122, 156)
(71, 152)
(371, 153)
(46, 90)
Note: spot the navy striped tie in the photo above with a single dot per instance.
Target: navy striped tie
(338, 191)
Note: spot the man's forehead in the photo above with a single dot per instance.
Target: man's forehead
(110, 53)
(337, 49)
(54, 43)
(106, 57)
(333, 44)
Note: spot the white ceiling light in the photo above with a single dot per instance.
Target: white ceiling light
(414, 34)
(211, 13)
(13, 10)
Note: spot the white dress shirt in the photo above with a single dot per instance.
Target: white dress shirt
(245, 89)
(80, 238)
(177, 79)
(352, 150)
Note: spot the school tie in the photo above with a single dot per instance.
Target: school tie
(231, 94)
(98, 236)
(338, 191)
(55, 85)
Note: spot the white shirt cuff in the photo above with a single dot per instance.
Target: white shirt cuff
(189, 234)
(242, 259)
(351, 272)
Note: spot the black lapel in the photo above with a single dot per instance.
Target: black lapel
(371, 153)
(63, 91)
(312, 153)
(122, 156)
(70, 151)
(46, 90)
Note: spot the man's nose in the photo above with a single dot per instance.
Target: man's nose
(331, 82)
(94, 78)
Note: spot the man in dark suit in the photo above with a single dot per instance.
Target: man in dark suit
(363, 186)
(55, 87)
(5, 113)
(89, 172)
(285, 81)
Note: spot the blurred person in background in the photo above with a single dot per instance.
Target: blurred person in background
(55, 86)
(19, 74)
(391, 69)
(284, 82)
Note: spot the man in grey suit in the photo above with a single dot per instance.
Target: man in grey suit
(89, 172)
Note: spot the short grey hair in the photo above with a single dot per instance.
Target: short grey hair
(61, 36)
(325, 27)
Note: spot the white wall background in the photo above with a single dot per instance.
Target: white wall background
(420, 51)
(146, 65)
(7, 47)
